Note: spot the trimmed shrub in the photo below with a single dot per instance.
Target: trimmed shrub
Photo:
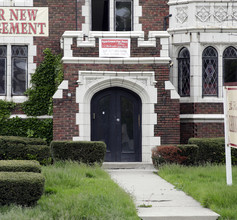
(21, 148)
(20, 166)
(212, 150)
(88, 152)
(190, 152)
(167, 154)
(21, 188)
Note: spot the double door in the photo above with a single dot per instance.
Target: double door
(116, 120)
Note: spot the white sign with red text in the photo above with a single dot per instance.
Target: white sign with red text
(114, 47)
(24, 21)
(231, 120)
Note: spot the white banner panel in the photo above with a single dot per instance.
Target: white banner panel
(24, 21)
(231, 98)
(114, 47)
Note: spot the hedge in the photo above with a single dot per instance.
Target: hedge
(20, 166)
(21, 188)
(212, 150)
(190, 152)
(31, 127)
(88, 152)
(21, 148)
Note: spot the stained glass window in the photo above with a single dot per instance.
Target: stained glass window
(3, 62)
(184, 72)
(19, 69)
(210, 72)
(230, 65)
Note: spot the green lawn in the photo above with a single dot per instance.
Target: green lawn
(76, 192)
(207, 184)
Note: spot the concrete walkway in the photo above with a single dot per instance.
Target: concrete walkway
(160, 198)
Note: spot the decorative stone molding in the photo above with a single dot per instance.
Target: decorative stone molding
(181, 15)
(59, 93)
(173, 93)
(220, 14)
(203, 13)
(202, 118)
(142, 83)
(67, 40)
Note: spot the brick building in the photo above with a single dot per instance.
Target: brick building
(118, 84)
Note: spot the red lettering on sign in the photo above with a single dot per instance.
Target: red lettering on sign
(14, 29)
(4, 28)
(32, 13)
(2, 15)
(13, 14)
(41, 27)
(114, 43)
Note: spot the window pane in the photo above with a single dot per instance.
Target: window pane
(123, 13)
(3, 60)
(19, 69)
(2, 76)
(127, 125)
(184, 72)
(100, 15)
(210, 72)
(230, 65)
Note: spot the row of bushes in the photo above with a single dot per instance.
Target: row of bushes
(198, 151)
(21, 182)
(21, 148)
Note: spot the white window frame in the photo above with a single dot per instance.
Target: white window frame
(136, 13)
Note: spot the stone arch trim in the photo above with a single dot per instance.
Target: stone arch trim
(142, 83)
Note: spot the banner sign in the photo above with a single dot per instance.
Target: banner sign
(24, 21)
(231, 120)
(114, 47)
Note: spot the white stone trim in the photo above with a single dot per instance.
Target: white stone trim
(16, 3)
(202, 118)
(59, 93)
(132, 60)
(173, 93)
(142, 83)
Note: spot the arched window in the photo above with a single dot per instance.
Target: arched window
(184, 72)
(230, 65)
(209, 72)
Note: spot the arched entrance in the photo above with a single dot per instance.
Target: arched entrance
(116, 120)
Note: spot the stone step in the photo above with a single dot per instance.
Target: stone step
(128, 165)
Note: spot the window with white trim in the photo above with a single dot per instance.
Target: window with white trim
(19, 69)
(112, 15)
(13, 79)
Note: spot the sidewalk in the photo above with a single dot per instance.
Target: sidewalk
(160, 198)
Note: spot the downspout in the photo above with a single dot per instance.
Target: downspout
(165, 21)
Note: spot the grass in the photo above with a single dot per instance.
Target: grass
(206, 184)
(76, 192)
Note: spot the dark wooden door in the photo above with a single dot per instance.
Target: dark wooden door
(116, 120)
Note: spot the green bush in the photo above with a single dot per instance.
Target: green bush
(21, 148)
(190, 152)
(31, 127)
(45, 81)
(88, 152)
(20, 166)
(212, 150)
(22, 188)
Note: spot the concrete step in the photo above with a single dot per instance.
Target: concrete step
(128, 165)
(176, 213)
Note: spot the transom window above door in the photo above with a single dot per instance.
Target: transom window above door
(112, 15)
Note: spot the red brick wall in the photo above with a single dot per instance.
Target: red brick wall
(167, 110)
(201, 108)
(200, 130)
